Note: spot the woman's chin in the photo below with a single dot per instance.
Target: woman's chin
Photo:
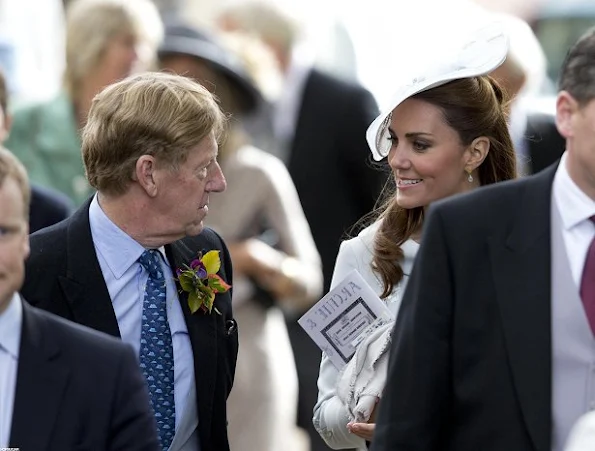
(409, 203)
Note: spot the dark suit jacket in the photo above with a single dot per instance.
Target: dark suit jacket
(330, 161)
(470, 364)
(63, 276)
(78, 389)
(47, 207)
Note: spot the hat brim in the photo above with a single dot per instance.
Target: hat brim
(179, 45)
(479, 54)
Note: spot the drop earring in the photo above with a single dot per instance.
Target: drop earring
(470, 177)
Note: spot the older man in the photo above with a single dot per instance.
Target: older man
(62, 386)
(150, 150)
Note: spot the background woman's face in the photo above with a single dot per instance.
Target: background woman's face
(120, 58)
(426, 156)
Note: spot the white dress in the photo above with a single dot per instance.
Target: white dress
(330, 415)
(262, 406)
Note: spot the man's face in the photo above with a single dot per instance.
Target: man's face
(14, 240)
(183, 199)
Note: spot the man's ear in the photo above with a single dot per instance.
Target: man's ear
(144, 174)
(566, 106)
(477, 153)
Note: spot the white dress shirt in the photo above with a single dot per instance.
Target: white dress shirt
(11, 321)
(330, 414)
(575, 209)
(125, 278)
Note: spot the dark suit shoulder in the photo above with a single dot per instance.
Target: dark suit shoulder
(491, 208)
(48, 207)
(48, 247)
(340, 95)
(87, 344)
(325, 81)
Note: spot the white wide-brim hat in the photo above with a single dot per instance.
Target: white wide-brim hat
(468, 54)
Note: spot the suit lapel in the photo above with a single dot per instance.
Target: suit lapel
(203, 338)
(41, 384)
(83, 285)
(522, 274)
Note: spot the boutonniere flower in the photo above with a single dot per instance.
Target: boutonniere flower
(201, 281)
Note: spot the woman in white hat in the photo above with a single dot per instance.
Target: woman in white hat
(445, 132)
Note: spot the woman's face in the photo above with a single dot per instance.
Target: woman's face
(119, 59)
(426, 155)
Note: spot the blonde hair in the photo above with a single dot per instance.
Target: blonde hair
(11, 167)
(92, 24)
(265, 20)
(155, 113)
(258, 60)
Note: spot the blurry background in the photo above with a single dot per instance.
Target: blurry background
(348, 35)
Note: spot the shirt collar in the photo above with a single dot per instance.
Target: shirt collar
(119, 250)
(574, 205)
(11, 323)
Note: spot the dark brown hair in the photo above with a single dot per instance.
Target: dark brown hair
(473, 107)
(578, 70)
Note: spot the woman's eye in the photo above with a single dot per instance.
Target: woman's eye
(419, 146)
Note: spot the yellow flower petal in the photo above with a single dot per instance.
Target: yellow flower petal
(212, 262)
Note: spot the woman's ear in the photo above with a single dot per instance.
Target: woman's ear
(477, 153)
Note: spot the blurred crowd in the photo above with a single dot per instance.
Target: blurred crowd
(299, 102)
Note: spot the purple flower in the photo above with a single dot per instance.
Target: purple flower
(201, 272)
(178, 272)
(199, 268)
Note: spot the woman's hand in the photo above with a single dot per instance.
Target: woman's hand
(363, 430)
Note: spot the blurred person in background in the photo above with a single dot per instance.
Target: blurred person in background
(318, 125)
(46, 206)
(259, 215)
(537, 141)
(106, 40)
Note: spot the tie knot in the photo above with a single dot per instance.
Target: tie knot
(150, 260)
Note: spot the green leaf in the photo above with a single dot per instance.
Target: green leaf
(186, 281)
(194, 302)
(209, 300)
(218, 284)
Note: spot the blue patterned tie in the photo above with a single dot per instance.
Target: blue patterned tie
(156, 350)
